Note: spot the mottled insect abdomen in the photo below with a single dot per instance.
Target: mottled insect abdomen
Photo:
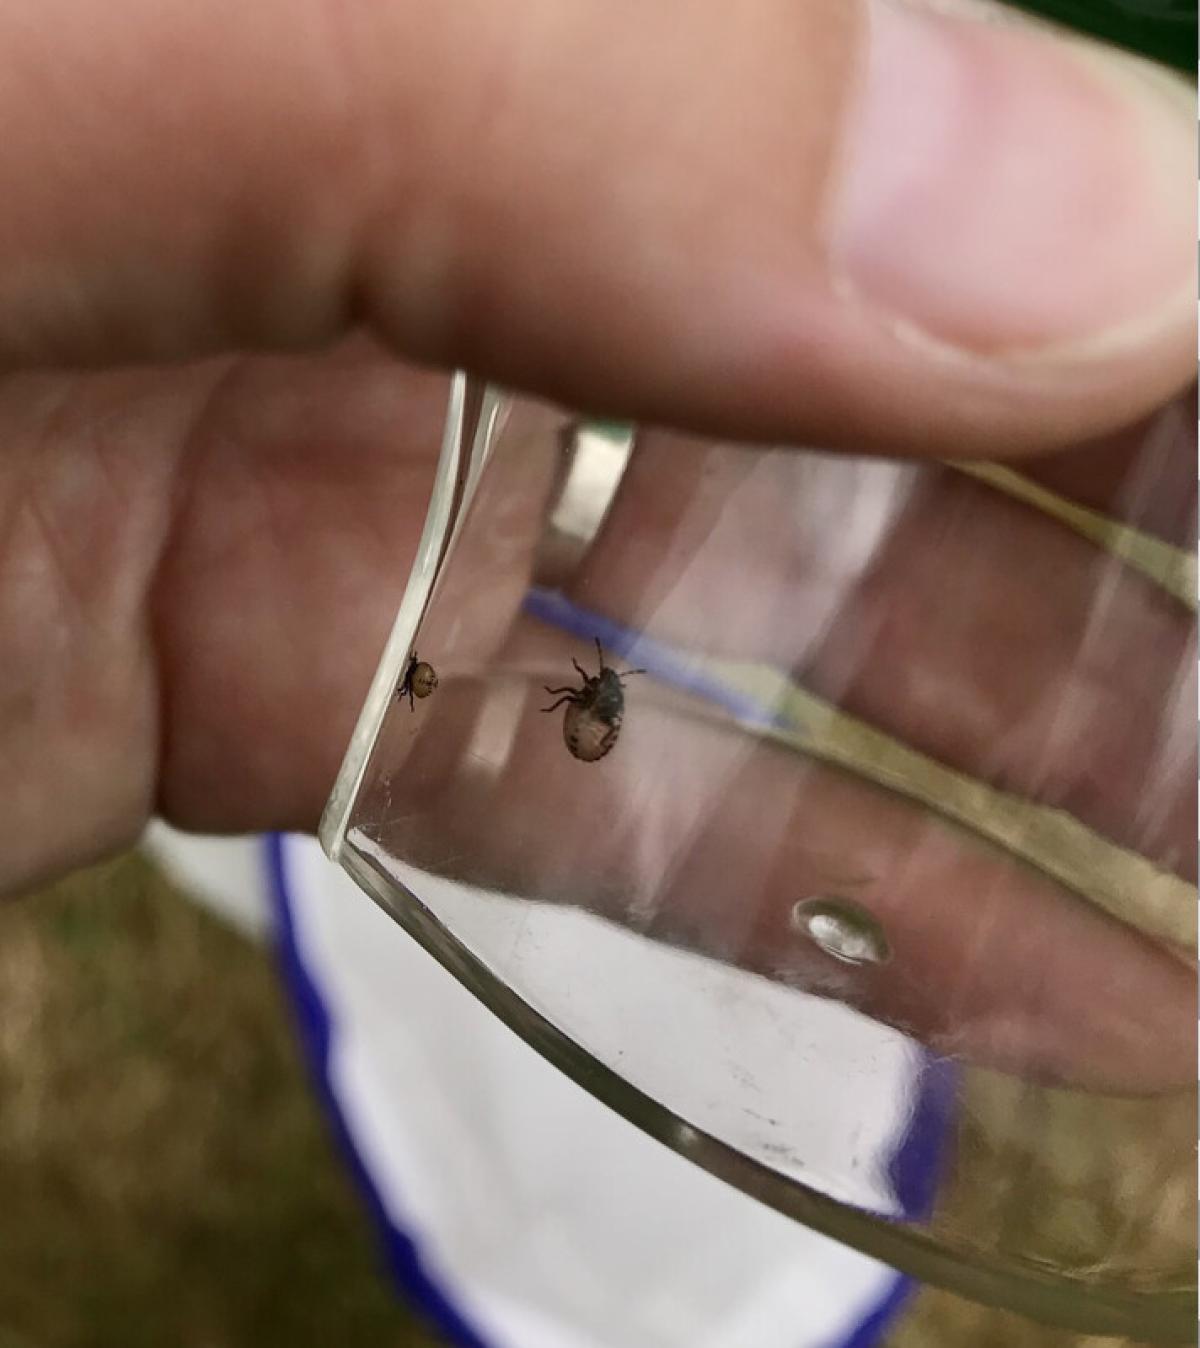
(424, 680)
(594, 712)
(587, 735)
(420, 679)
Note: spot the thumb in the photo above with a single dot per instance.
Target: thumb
(827, 220)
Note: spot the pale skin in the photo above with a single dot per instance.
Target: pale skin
(192, 524)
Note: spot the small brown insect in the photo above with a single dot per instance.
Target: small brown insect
(419, 680)
(592, 720)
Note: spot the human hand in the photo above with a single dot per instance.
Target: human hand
(190, 593)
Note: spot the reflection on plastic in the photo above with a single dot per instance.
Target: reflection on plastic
(910, 743)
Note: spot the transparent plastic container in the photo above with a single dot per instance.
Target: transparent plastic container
(903, 790)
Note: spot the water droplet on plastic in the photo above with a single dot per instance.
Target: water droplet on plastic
(842, 928)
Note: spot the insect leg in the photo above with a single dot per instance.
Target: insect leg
(569, 697)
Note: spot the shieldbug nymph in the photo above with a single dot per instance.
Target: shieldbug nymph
(594, 712)
(420, 679)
